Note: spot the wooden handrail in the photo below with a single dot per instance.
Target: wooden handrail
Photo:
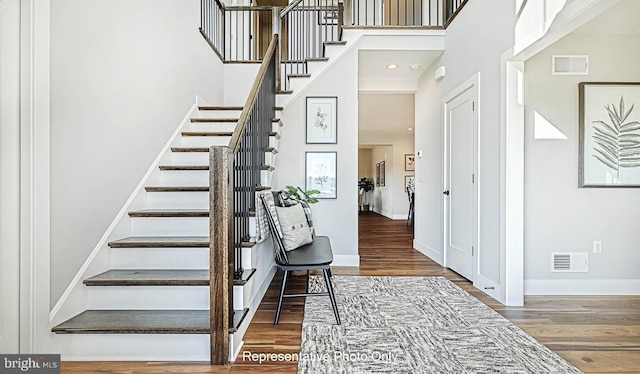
(289, 7)
(244, 116)
(223, 237)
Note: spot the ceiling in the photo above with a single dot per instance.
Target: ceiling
(372, 65)
(623, 18)
(386, 113)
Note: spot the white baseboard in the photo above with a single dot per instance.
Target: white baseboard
(400, 216)
(429, 252)
(346, 260)
(582, 287)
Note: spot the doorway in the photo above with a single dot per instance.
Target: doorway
(460, 180)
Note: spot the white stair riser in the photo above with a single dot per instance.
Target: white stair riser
(133, 347)
(315, 67)
(273, 142)
(246, 258)
(252, 227)
(176, 178)
(211, 126)
(296, 84)
(265, 177)
(148, 297)
(178, 200)
(170, 226)
(186, 158)
(270, 158)
(204, 141)
(216, 114)
(160, 258)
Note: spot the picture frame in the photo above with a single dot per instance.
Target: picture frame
(609, 134)
(378, 174)
(321, 173)
(382, 176)
(322, 120)
(409, 162)
(409, 181)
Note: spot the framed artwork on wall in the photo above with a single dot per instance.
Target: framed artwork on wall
(409, 183)
(609, 136)
(378, 174)
(382, 176)
(322, 120)
(410, 162)
(321, 173)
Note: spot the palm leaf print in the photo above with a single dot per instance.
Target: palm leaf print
(617, 143)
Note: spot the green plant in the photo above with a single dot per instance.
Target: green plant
(617, 144)
(298, 194)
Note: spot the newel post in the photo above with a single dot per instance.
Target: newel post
(347, 13)
(220, 246)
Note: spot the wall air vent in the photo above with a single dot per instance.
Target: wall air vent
(570, 262)
(570, 65)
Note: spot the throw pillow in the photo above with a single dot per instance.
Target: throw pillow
(295, 229)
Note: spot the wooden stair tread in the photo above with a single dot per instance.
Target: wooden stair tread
(244, 278)
(184, 167)
(143, 322)
(238, 317)
(178, 189)
(189, 149)
(160, 242)
(284, 92)
(214, 120)
(275, 134)
(318, 59)
(170, 213)
(299, 75)
(207, 133)
(335, 42)
(213, 107)
(278, 109)
(271, 149)
(137, 322)
(144, 277)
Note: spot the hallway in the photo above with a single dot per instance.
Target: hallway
(595, 333)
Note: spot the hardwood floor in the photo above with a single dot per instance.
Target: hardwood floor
(597, 334)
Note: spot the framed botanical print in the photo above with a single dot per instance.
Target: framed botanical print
(409, 162)
(609, 142)
(321, 174)
(382, 176)
(322, 120)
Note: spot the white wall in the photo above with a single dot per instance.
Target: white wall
(9, 175)
(559, 216)
(383, 197)
(401, 144)
(337, 218)
(123, 74)
(473, 45)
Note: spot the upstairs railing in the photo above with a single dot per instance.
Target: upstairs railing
(242, 33)
(235, 176)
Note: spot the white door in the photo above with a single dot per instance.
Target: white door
(459, 189)
(9, 175)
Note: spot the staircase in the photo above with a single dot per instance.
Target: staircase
(158, 284)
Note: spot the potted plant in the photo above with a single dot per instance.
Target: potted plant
(297, 194)
(365, 185)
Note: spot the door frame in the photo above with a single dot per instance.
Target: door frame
(473, 84)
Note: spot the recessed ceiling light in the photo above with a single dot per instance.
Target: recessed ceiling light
(392, 66)
(415, 67)
(410, 128)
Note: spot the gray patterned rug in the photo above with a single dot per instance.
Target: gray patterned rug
(414, 325)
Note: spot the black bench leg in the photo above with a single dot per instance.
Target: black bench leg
(327, 280)
(307, 291)
(284, 284)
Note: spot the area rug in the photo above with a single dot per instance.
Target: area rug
(414, 325)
